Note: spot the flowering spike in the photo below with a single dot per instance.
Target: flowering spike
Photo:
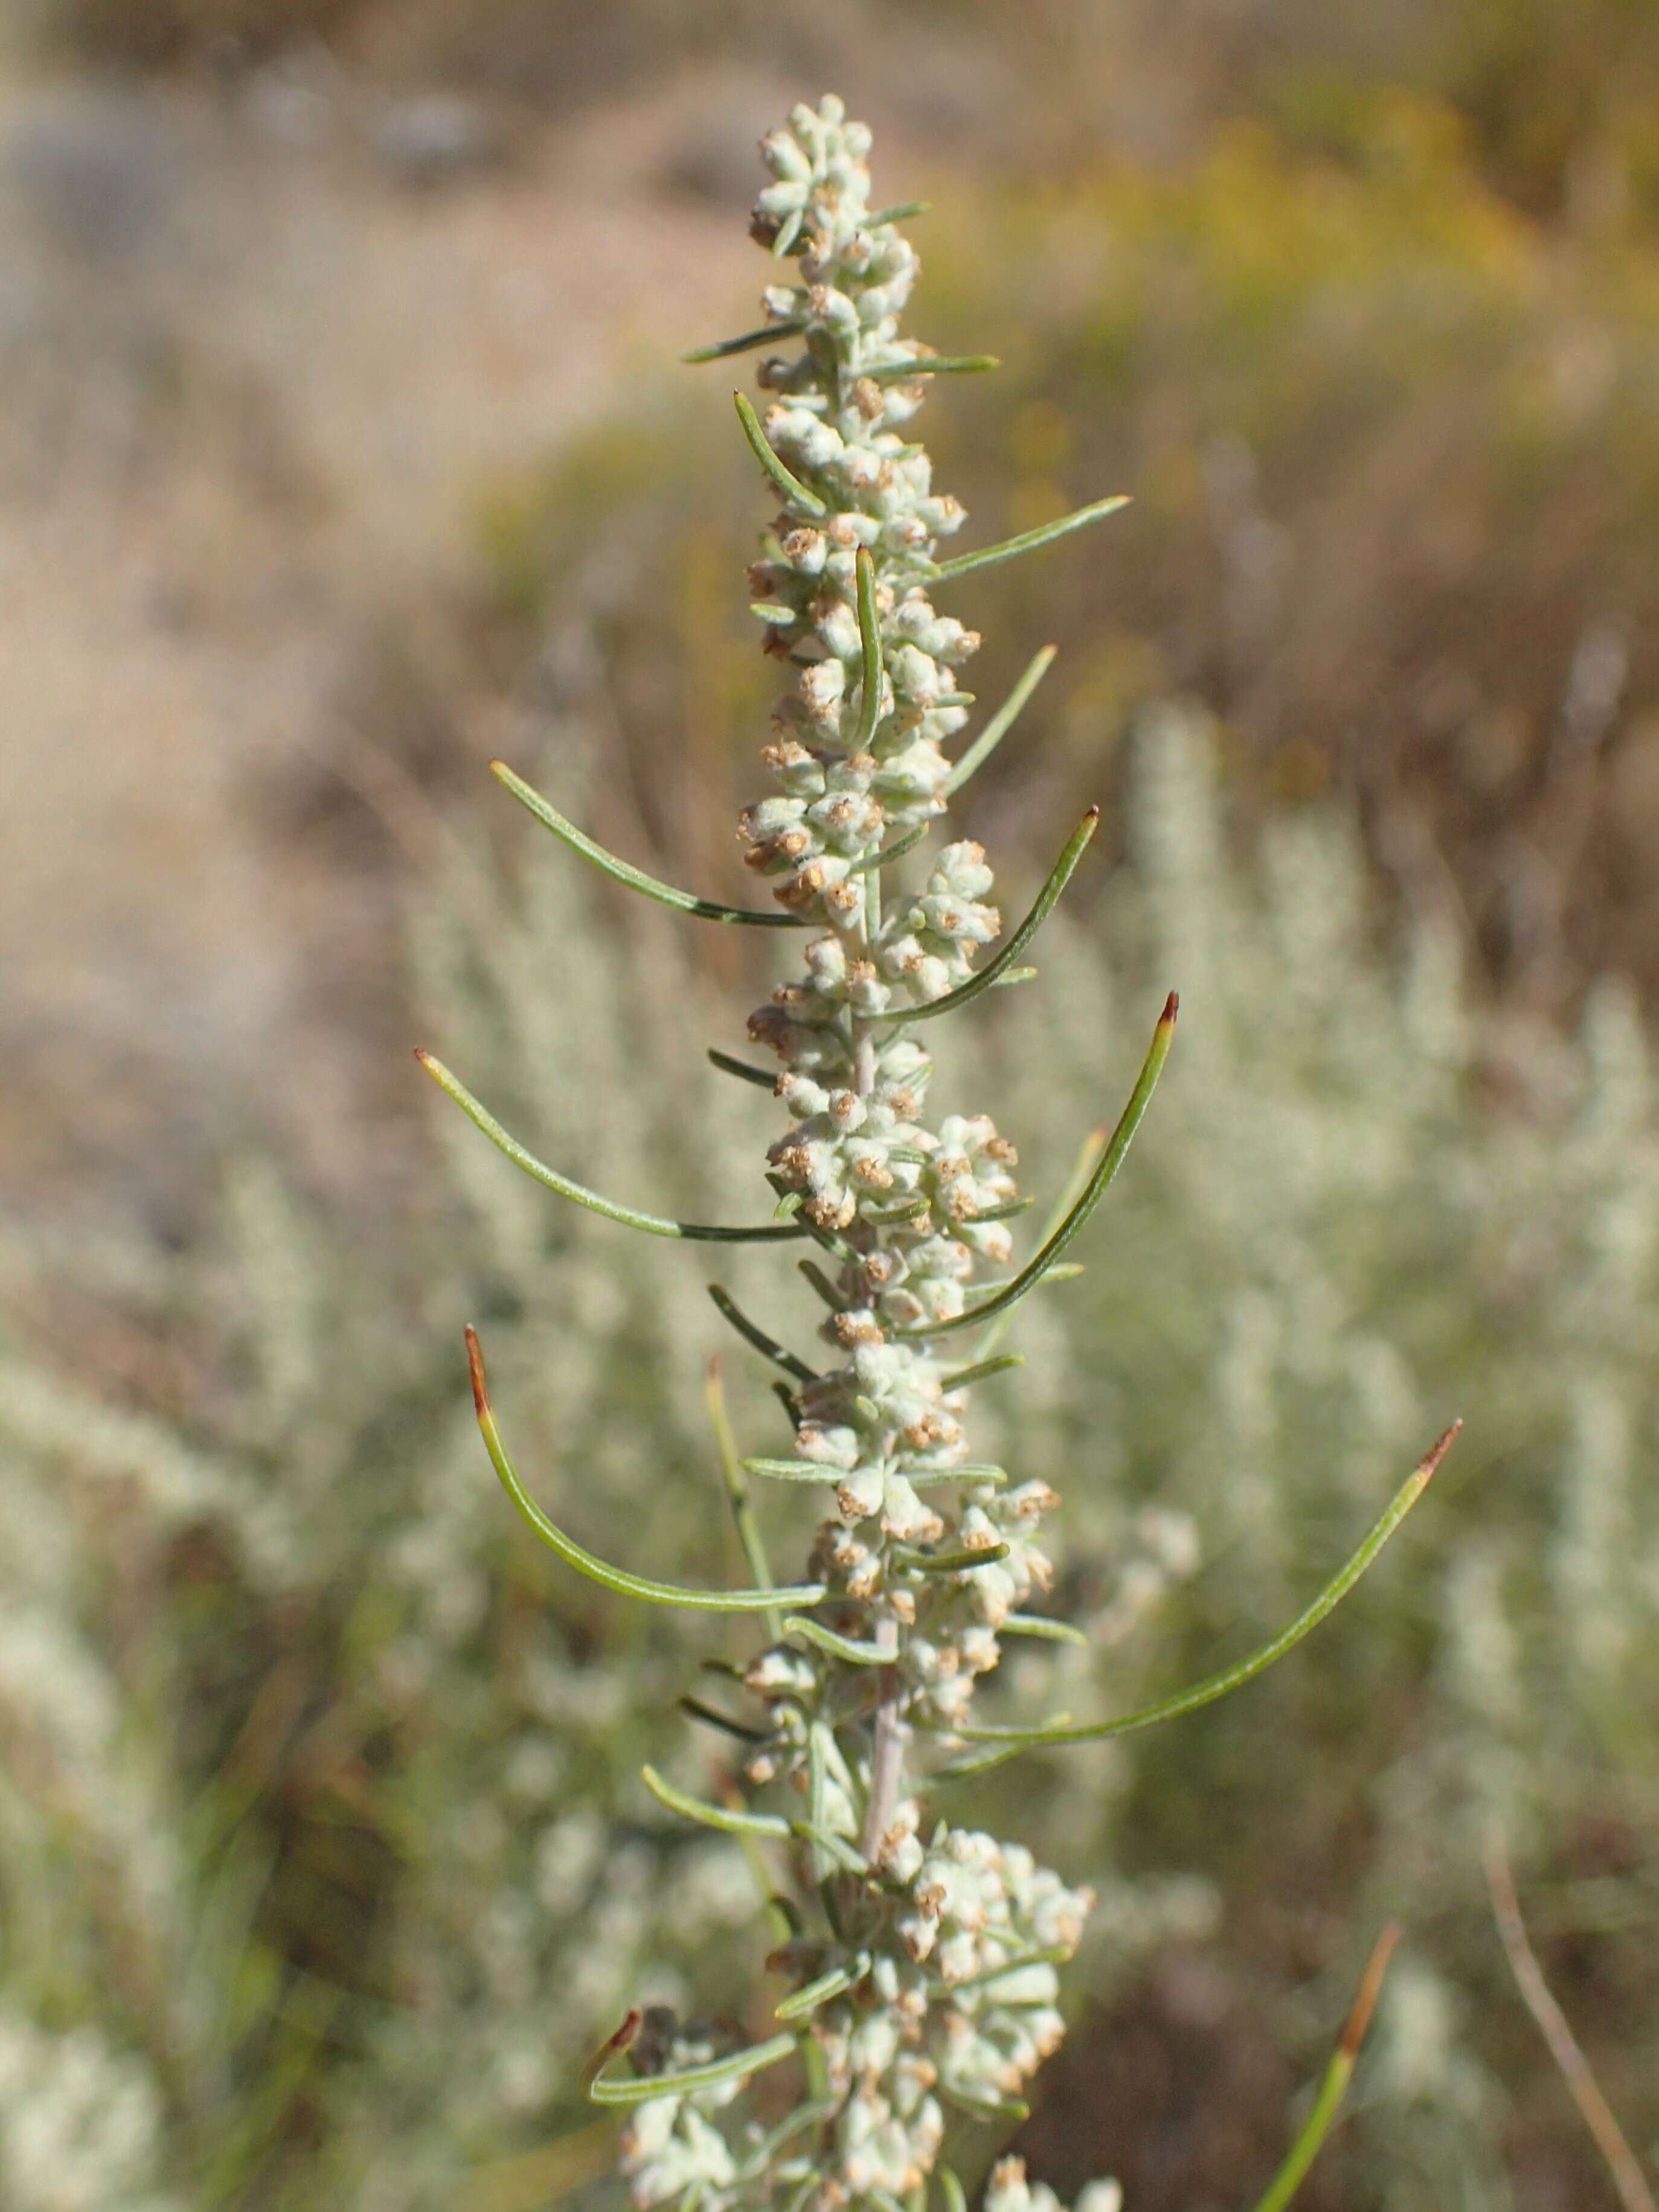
(925, 1958)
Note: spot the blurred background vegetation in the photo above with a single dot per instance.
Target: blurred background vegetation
(343, 449)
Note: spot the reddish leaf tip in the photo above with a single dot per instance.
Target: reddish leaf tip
(612, 2047)
(1171, 1007)
(476, 1368)
(1440, 1447)
(1371, 1987)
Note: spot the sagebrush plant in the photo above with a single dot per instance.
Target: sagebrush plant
(920, 1954)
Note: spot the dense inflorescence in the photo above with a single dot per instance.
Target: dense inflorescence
(922, 1954)
(941, 1951)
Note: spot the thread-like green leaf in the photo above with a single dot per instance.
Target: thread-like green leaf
(864, 569)
(981, 1370)
(624, 871)
(994, 971)
(947, 1563)
(1002, 721)
(696, 1709)
(728, 1822)
(718, 2071)
(613, 1578)
(736, 1490)
(932, 364)
(790, 485)
(901, 211)
(1037, 1624)
(654, 1224)
(832, 1984)
(794, 1470)
(751, 1332)
(1333, 2086)
(758, 1076)
(1028, 540)
(1014, 1740)
(849, 1648)
(723, 349)
(1110, 1161)
(969, 1470)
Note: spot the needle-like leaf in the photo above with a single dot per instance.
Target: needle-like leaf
(654, 1224)
(750, 1824)
(832, 1984)
(737, 1490)
(1002, 721)
(932, 364)
(1028, 540)
(724, 347)
(769, 1347)
(727, 1066)
(994, 971)
(1282, 2189)
(1110, 1161)
(624, 871)
(613, 1578)
(790, 485)
(645, 2087)
(864, 569)
(1010, 1741)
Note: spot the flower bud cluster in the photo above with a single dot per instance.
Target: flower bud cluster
(941, 1954)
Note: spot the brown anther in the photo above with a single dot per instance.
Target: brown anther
(785, 752)
(856, 1329)
(805, 885)
(860, 971)
(867, 398)
(998, 1148)
(872, 1171)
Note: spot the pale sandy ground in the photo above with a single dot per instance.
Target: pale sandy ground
(252, 384)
